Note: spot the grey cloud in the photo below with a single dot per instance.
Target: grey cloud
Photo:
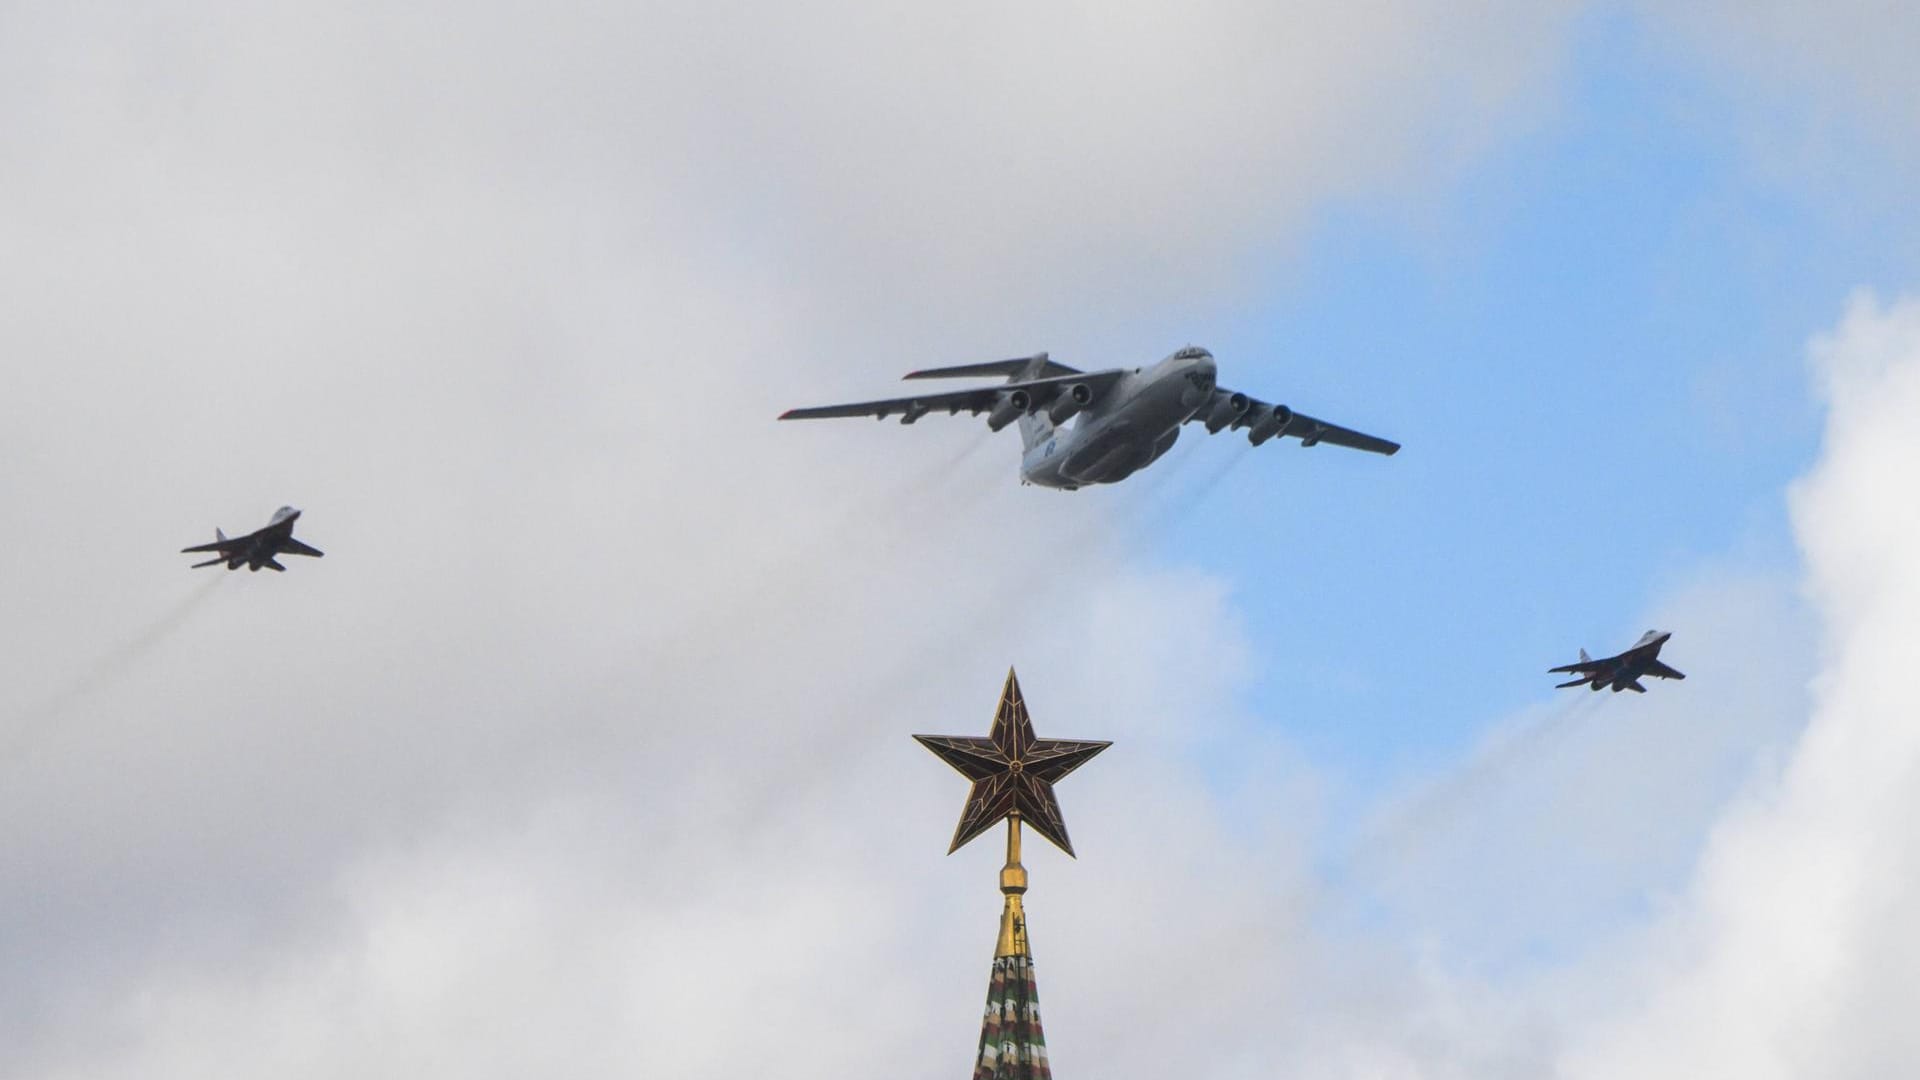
(584, 748)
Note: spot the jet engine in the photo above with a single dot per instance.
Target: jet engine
(1225, 411)
(1070, 401)
(1011, 407)
(1273, 423)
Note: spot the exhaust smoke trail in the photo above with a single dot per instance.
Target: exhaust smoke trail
(779, 580)
(1196, 495)
(1447, 800)
(1167, 489)
(111, 666)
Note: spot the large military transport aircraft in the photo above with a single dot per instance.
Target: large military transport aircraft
(1126, 417)
(258, 548)
(1622, 672)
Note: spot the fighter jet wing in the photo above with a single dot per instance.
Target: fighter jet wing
(1661, 671)
(295, 547)
(1585, 667)
(1264, 421)
(978, 400)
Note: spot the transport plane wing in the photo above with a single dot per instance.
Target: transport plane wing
(1232, 410)
(1061, 394)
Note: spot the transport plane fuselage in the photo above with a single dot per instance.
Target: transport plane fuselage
(1126, 430)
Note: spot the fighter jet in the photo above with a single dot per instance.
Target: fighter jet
(1622, 672)
(258, 548)
(1123, 419)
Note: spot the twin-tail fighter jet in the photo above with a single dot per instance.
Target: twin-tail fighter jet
(1622, 672)
(257, 548)
(1126, 417)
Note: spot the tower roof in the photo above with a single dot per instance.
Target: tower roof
(1013, 773)
(1012, 1044)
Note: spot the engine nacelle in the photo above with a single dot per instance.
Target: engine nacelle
(1011, 406)
(1273, 423)
(1070, 401)
(1225, 411)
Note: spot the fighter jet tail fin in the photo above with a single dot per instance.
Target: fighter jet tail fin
(1584, 658)
(219, 536)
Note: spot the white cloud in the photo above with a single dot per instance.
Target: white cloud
(1793, 951)
(1574, 817)
(585, 746)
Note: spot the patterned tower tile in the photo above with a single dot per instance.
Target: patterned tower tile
(1012, 1045)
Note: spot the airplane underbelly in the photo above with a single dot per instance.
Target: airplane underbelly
(1101, 455)
(1165, 444)
(1131, 439)
(1116, 460)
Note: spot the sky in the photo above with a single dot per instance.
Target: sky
(585, 749)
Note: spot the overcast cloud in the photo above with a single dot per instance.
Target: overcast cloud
(586, 745)
(585, 748)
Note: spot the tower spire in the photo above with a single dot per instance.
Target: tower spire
(1013, 883)
(1013, 1045)
(1013, 773)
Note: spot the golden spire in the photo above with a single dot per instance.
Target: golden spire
(1013, 772)
(1013, 883)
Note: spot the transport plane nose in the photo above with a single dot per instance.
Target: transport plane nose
(1197, 379)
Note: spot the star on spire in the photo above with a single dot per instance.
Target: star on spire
(1013, 772)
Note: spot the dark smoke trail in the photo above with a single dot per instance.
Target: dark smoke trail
(115, 663)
